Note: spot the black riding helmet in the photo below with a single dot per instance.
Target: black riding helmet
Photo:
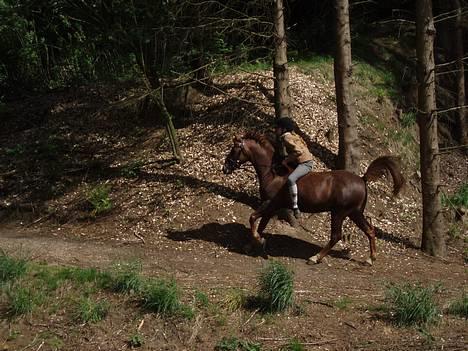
(285, 123)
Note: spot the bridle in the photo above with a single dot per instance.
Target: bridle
(235, 163)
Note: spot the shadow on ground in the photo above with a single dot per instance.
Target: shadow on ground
(234, 236)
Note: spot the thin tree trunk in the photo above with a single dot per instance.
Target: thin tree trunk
(283, 102)
(348, 146)
(167, 118)
(433, 241)
(460, 78)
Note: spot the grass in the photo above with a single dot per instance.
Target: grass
(162, 296)
(459, 307)
(342, 303)
(22, 300)
(11, 268)
(136, 340)
(408, 119)
(126, 278)
(412, 305)
(276, 285)
(99, 200)
(234, 299)
(458, 199)
(380, 83)
(201, 299)
(132, 169)
(316, 63)
(236, 344)
(41, 281)
(293, 345)
(90, 311)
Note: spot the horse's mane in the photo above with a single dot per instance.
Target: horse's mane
(260, 138)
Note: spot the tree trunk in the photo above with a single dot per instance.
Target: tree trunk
(460, 78)
(167, 118)
(348, 146)
(433, 241)
(283, 101)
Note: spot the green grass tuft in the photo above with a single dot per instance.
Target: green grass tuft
(412, 305)
(276, 287)
(126, 278)
(234, 299)
(22, 300)
(162, 296)
(201, 299)
(459, 199)
(136, 340)
(342, 303)
(11, 268)
(89, 311)
(459, 307)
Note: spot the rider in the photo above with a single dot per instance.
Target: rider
(297, 153)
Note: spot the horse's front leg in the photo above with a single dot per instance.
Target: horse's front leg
(256, 238)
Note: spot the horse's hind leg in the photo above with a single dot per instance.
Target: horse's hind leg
(358, 218)
(337, 219)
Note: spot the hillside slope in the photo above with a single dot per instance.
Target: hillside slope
(189, 221)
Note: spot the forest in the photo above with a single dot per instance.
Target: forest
(145, 202)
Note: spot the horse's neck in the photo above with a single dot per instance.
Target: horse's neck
(262, 161)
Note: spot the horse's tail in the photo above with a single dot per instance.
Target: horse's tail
(381, 166)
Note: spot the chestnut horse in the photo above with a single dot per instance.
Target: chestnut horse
(340, 192)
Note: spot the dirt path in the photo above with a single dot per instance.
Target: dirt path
(209, 258)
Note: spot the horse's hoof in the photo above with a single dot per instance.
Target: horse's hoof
(263, 242)
(313, 260)
(247, 248)
(346, 253)
(370, 261)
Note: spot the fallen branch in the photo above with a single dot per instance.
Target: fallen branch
(139, 237)
(250, 318)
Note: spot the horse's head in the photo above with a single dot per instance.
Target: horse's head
(236, 156)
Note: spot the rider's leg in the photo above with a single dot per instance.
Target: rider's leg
(301, 170)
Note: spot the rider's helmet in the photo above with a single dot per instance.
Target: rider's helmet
(285, 123)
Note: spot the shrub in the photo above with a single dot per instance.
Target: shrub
(412, 305)
(98, 198)
(276, 287)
